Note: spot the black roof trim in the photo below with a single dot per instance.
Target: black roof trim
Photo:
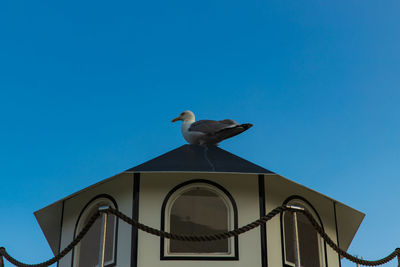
(199, 158)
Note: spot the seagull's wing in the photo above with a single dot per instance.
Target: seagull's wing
(211, 127)
(229, 122)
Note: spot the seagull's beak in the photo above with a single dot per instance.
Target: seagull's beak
(177, 119)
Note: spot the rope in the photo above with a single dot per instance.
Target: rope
(60, 255)
(398, 257)
(343, 253)
(214, 237)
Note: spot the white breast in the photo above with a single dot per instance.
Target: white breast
(190, 136)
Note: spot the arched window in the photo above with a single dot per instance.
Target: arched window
(89, 252)
(302, 246)
(199, 208)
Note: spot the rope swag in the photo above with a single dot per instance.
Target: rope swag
(204, 238)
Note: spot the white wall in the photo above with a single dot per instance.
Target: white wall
(277, 190)
(120, 188)
(154, 188)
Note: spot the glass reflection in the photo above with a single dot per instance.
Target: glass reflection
(308, 243)
(199, 212)
(89, 247)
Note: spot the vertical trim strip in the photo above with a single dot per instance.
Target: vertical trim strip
(135, 216)
(337, 231)
(61, 228)
(263, 229)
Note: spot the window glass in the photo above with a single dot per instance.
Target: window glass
(90, 246)
(88, 250)
(308, 242)
(199, 211)
(109, 249)
(290, 237)
(300, 235)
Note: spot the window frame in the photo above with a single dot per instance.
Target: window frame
(168, 202)
(86, 212)
(301, 201)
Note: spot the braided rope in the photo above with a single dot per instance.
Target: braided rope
(343, 253)
(398, 257)
(214, 237)
(60, 255)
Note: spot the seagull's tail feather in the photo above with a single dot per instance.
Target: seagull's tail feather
(246, 126)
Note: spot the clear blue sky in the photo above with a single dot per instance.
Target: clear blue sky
(88, 89)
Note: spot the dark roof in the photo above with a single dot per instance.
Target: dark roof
(199, 158)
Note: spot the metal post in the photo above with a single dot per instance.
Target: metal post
(103, 232)
(358, 265)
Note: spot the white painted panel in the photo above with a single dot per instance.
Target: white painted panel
(50, 223)
(277, 191)
(348, 223)
(120, 188)
(154, 188)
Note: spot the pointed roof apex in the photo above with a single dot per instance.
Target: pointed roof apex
(199, 158)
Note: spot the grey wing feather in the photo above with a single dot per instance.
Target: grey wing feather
(210, 126)
(229, 122)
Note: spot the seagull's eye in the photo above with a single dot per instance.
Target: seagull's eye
(183, 113)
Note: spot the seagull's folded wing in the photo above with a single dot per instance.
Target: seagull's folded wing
(210, 126)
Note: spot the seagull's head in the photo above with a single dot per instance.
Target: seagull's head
(187, 116)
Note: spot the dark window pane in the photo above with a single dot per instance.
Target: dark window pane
(89, 248)
(308, 242)
(108, 257)
(290, 237)
(199, 212)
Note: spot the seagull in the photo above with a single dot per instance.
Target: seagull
(208, 131)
